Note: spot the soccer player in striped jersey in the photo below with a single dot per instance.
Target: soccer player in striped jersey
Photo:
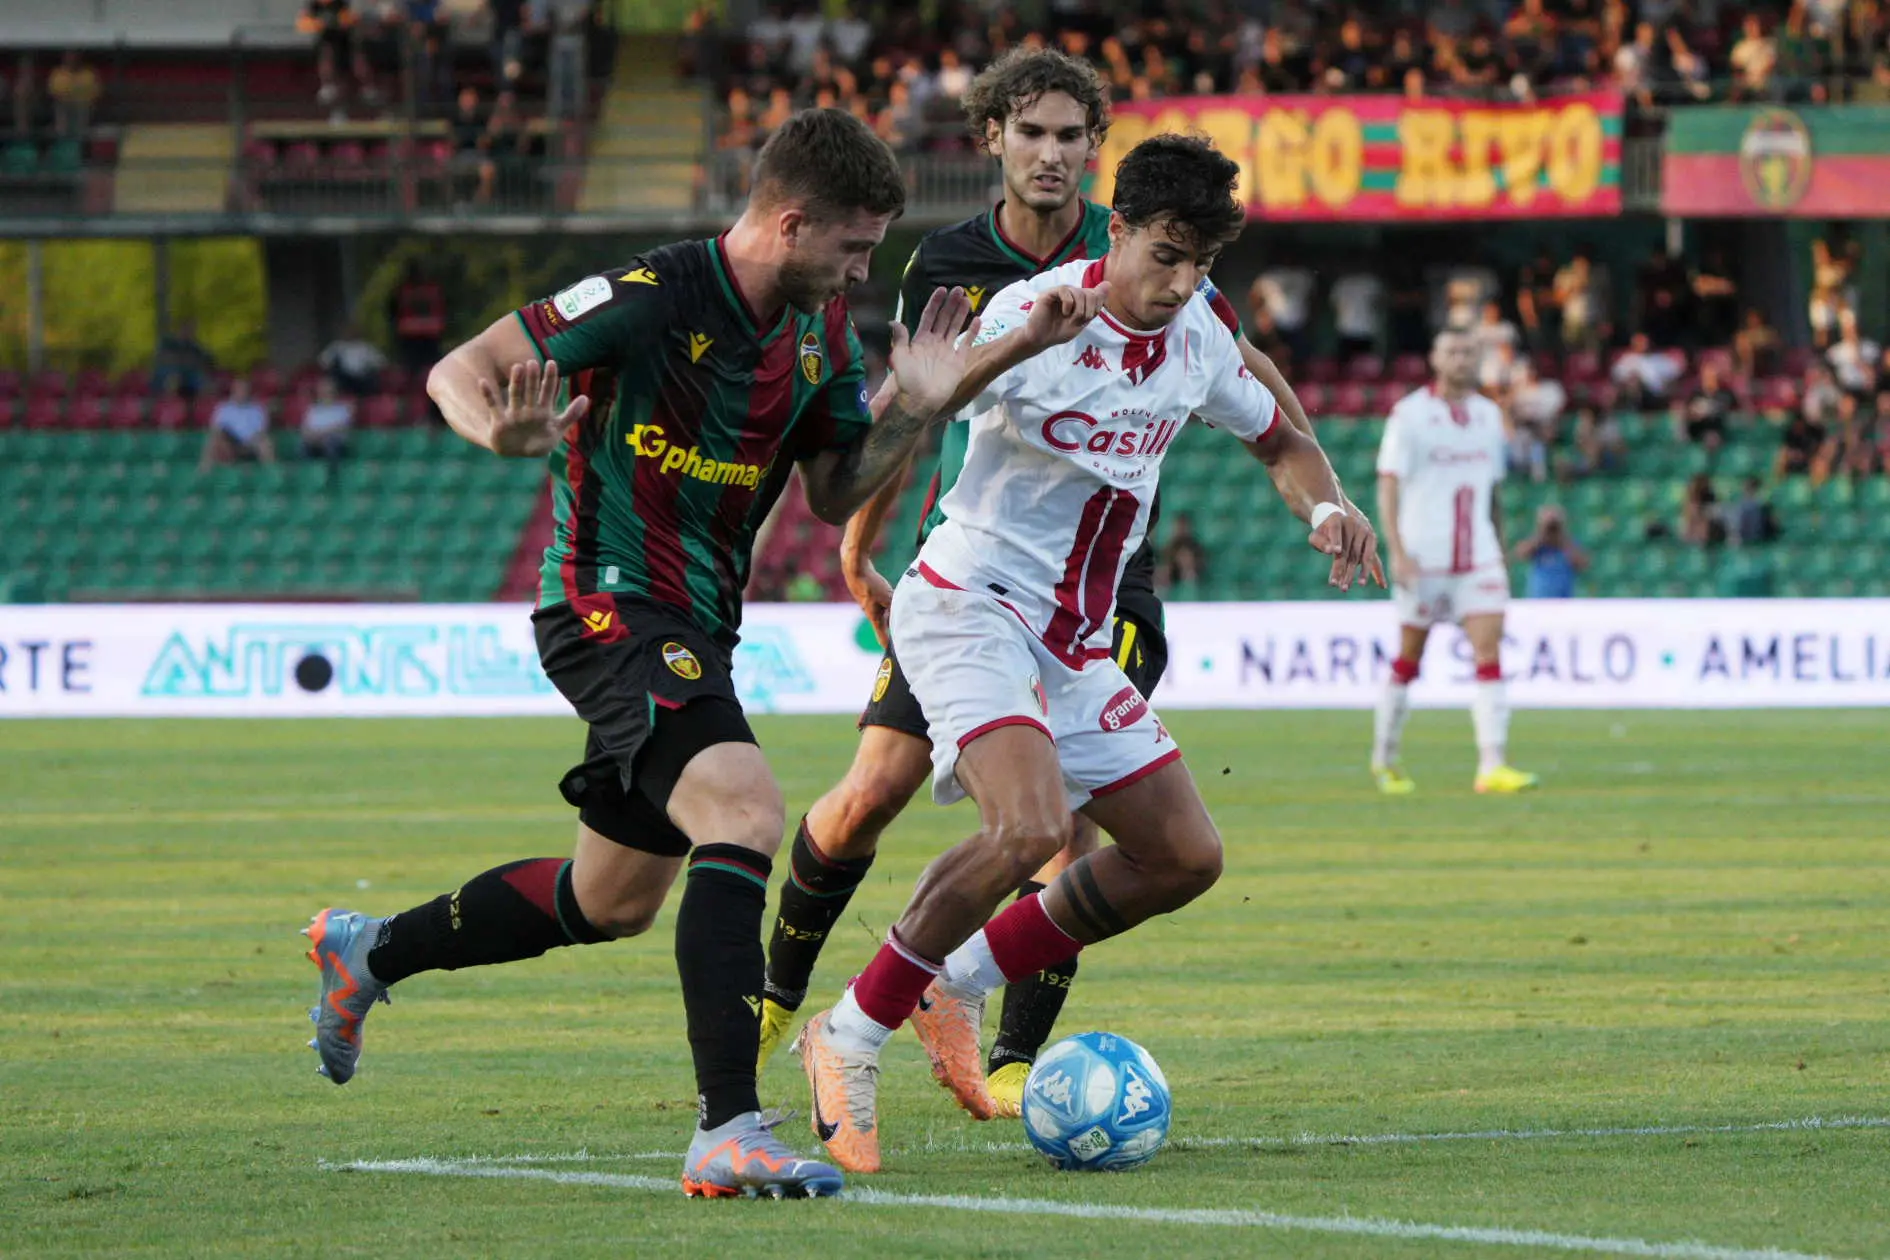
(1042, 115)
(700, 375)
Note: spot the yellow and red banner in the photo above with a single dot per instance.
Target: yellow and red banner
(1383, 158)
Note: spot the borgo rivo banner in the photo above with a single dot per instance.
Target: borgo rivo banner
(468, 660)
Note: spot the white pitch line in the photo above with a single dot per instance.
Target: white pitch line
(1373, 1227)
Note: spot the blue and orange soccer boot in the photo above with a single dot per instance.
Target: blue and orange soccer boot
(745, 1158)
(341, 940)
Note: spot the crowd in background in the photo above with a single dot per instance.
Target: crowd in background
(904, 73)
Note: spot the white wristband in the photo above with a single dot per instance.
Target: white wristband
(1324, 512)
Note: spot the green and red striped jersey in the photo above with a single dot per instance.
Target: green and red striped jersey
(697, 417)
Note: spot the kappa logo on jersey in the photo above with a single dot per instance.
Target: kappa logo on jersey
(1092, 358)
(1125, 708)
(882, 680)
(585, 295)
(698, 346)
(1071, 431)
(648, 442)
(642, 275)
(681, 661)
(813, 362)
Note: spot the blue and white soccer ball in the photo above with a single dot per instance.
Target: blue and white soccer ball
(1098, 1103)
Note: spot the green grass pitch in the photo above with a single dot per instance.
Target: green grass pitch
(1687, 930)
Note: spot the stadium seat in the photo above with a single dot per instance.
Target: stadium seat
(170, 413)
(1351, 399)
(1410, 369)
(89, 412)
(43, 413)
(1369, 368)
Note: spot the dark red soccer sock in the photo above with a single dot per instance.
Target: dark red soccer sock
(1031, 1006)
(1025, 939)
(893, 982)
(510, 912)
(718, 957)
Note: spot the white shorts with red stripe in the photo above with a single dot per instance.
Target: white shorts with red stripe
(1450, 597)
(974, 666)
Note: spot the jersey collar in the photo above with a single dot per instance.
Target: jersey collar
(732, 291)
(1018, 252)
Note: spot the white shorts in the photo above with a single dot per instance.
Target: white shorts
(1451, 597)
(974, 666)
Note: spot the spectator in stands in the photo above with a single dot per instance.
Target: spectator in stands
(1535, 416)
(74, 88)
(1700, 522)
(180, 362)
(326, 424)
(1701, 419)
(1287, 292)
(1553, 556)
(239, 430)
(1821, 394)
(1832, 291)
(1265, 336)
(353, 363)
(898, 123)
(1581, 295)
(1853, 359)
(1662, 297)
(1636, 64)
(331, 22)
(1183, 557)
(1880, 420)
(1536, 303)
(1600, 446)
(1498, 374)
(506, 144)
(1753, 521)
(507, 45)
(1463, 291)
(1715, 316)
(1850, 444)
(1754, 59)
(417, 314)
(1756, 346)
(1358, 312)
(1798, 446)
(472, 145)
(1492, 334)
(1644, 374)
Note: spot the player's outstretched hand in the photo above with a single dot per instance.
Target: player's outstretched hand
(526, 421)
(929, 362)
(1374, 565)
(1058, 315)
(1351, 542)
(874, 594)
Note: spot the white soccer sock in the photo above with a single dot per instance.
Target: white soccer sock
(1388, 724)
(853, 1029)
(1489, 715)
(970, 970)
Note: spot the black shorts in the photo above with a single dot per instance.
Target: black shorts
(655, 690)
(1139, 648)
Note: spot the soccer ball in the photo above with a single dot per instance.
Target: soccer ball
(1098, 1103)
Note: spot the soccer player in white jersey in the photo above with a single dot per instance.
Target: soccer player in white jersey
(1003, 627)
(1439, 468)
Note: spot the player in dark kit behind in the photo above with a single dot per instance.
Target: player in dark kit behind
(1042, 115)
(700, 375)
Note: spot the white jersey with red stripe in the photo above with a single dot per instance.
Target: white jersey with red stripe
(1066, 450)
(1448, 458)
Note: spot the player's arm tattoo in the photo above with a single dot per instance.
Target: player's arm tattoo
(838, 482)
(1100, 919)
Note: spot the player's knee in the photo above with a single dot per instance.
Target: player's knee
(625, 919)
(871, 799)
(1022, 842)
(1197, 864)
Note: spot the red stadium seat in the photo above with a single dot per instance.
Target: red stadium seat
(1719, 357)
(1411, 369)
(43, 412)
(170, 413)
(127, 412)
(260, 154)
(1777, 392)
(200, 411)
(1323, 370)
(1582, 365)
(302, 380)
(1365, 367)
(293, 410)
(266, 381)
(92, 381)
(1385, 397)
(1350, 398)
(90, 412)
(302, 156)
(1312, 396)
(51, 383)
(347, 155)
(1797, 359)
(382, 411)
(135, 382)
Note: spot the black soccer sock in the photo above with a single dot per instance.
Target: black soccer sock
(718, 956)
(1031, 1007)
(514, 911)
(813, 895)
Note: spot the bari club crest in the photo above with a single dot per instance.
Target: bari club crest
(812, 360)
(681, 661)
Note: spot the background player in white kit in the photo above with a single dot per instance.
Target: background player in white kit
(1438, 471)
(1003, 625)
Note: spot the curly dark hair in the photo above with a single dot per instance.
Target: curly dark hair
(1018, 79)
(831, 163)
(1185, 180)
